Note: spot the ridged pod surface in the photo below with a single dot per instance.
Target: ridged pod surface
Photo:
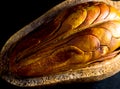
(78, 35)
(75, 41)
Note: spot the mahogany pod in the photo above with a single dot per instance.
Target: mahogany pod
(75, 40)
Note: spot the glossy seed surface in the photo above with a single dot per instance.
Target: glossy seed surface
(76, 36)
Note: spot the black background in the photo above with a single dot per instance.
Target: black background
(16, 14)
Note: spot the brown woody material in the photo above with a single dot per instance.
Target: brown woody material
(92, 72)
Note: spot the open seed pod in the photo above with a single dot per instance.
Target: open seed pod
(77, 40)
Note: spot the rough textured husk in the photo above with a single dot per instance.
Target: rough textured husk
(93, 72)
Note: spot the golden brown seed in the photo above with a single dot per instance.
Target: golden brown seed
(76, 36)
